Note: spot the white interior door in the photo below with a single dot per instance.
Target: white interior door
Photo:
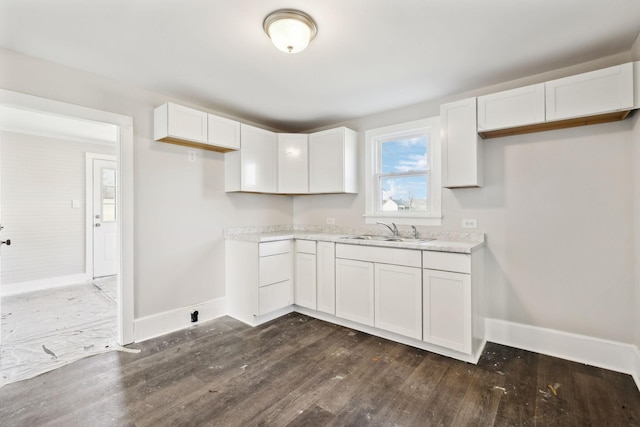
(105, 221)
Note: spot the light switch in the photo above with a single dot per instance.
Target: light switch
(191, 155)
(75, 204)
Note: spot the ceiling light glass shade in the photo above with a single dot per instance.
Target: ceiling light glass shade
(290, 30)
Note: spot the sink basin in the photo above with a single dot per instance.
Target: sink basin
(387, 239)
(369, 237)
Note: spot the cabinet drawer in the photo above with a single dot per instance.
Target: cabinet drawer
(306, 246)
(274, 248)
(408, 257)
(274, 297)
(445, 261)
(274, 268)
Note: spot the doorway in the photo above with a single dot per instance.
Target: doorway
(113, 196)
(102, 219)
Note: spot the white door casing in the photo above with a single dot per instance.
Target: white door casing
(104, 217)
(124, 144)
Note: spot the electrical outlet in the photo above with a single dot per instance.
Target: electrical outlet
(469, 223)
(331, 221)
(75, 204)
(192, 155)
(194, 316)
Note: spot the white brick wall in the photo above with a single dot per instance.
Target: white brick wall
(39, 178)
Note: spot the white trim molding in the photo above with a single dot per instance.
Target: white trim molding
(612, 355)
(43, 284)
(166, 322)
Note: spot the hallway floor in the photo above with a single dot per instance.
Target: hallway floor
(48, 329)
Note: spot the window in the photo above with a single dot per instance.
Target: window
(403, 173)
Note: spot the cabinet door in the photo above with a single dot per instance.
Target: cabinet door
(461, 145)
(398, 299)
(447, 309)
(304, 289)
(223, 132)
(512, 108)
(597, 92)
(332, 161)
(354, 291)
(293, 166)
(173, 122)
(258, 163)
(326, 277)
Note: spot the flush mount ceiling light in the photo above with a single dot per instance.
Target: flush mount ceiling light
(290, 30)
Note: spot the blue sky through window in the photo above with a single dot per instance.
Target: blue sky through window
(401, 156)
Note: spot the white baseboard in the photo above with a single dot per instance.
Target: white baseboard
(636, 362)
(43, 284)
(155, 325)
(612, 355)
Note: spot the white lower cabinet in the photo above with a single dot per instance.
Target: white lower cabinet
(305, 274)
(380, 287)
(326, 277)
(447, 309)
(398, 306)
(354, 291)
(259, 279)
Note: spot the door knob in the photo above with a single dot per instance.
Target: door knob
(6, 242)
(98, 224)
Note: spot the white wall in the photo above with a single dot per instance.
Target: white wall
(557, 212)
(635, 55)
(40, 178)
(180, 207)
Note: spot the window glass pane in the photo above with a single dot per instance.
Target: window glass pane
(108, 177)
(108, 212)
(404, 155)
(404, 193)
(109, 193)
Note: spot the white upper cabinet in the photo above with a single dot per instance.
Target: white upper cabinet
(173, 123)
(511, 108)
(333, 161)
(597, 92)
(188, 126)
(223, 133)
(461, 146)
(293, 166)
(254, 168)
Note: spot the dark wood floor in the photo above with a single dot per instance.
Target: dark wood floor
(298, 371)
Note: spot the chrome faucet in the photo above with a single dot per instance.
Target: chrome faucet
(415, 232)
(394, 229)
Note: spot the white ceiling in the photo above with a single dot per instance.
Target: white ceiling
(369, 55)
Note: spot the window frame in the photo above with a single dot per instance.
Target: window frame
(373, 139)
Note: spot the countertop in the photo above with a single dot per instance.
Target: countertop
(464, 243)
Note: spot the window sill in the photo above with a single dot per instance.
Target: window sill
(408, 219)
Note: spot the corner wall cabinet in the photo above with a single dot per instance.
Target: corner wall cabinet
(254, 167)
(182, 125)
(333, 161)
(293, 163)
(259, 279)
(461, 147)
